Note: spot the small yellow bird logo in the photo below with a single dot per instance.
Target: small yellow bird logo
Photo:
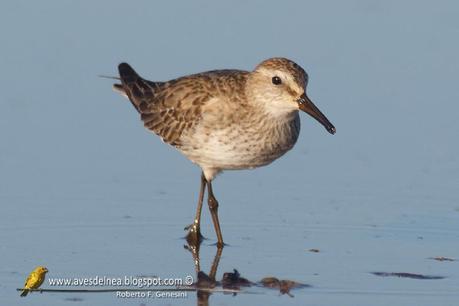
(35, 279)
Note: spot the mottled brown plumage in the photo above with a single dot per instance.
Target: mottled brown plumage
(170, 109)
(225, 119)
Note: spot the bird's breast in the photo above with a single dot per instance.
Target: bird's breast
(249, 143)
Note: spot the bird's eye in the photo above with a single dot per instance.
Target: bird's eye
(276, 80)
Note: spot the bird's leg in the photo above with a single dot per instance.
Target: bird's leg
(194, 236)
(207, 281)
(194, 250)
(214, 267)
(213, 207)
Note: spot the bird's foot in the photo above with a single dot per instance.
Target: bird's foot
(194, 236)
(220, 245)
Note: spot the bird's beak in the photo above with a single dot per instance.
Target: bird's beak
(45, 270)
(307, 106)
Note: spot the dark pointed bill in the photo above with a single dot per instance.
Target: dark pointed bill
(307, 106)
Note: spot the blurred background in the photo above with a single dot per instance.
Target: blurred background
(85, 190)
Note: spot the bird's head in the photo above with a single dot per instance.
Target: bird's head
(41, 269)
(279, 86)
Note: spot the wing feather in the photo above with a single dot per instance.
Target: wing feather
(171, 109)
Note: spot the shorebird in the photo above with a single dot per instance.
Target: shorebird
(224, 119)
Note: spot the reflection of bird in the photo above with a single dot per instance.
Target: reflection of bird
(35, 279)
(225, 119)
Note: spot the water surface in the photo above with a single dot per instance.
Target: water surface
(86, 191)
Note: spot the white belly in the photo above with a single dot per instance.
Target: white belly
(239, 147)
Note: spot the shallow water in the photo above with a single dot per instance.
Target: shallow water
(85, 191)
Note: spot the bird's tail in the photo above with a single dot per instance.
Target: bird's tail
(135, 88)
(24, 292)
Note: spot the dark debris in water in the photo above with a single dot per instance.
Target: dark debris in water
(283, 285)
(204, 281)
(442, 258)
(234, 281)
(74, 299)
(407, 275)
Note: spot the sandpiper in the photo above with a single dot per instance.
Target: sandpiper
(224, 119)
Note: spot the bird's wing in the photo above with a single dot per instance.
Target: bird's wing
(29, 279)
(171, 109)
(40, 280)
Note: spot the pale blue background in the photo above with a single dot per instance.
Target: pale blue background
(86, 191)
